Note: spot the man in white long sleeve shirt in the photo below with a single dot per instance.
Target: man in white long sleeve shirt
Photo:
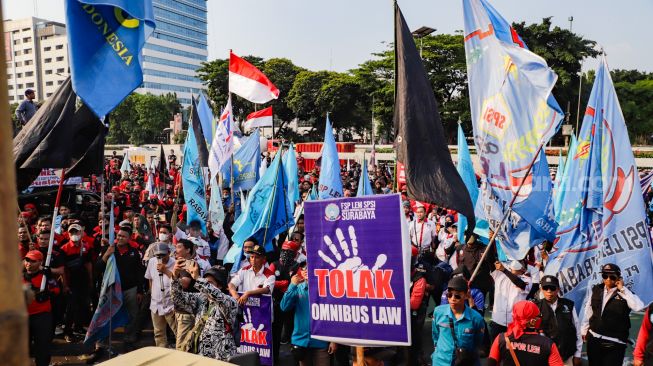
(422, 232)
(559, 321)
(606, 323)
(510, 286)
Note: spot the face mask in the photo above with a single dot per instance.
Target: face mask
(286, 257)
(75, 237)
(163, 237)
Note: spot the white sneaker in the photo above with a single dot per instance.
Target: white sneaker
(58, 330)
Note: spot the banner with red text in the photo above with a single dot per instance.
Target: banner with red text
(256, 328)
(358, 265)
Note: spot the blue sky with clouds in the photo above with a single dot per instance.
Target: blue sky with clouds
(339, 34)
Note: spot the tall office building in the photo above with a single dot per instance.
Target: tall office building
(36, 52)
(176, 48)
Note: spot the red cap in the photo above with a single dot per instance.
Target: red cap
(34, 255)
(115, 188)
(153, 196)
(30, 205)
(25, 214)
(291, 245)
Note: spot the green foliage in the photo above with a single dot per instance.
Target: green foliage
(635, 99)
(141, 118)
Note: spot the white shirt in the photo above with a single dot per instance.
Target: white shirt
(446, 241)
(506, 295)
(422, 234)
(246, 279)
(161, 302)
(633, 301)
(579, 337)
(223, 245)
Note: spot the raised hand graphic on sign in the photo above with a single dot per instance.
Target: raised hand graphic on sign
(249, 334)
(247, 319)
(349, 260)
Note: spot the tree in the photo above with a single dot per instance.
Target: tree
(282, 72)
(141, 118)
(302, 97)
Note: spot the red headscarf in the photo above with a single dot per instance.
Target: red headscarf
(522, 313)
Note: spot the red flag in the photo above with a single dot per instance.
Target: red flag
(262, 118)
(247, 81)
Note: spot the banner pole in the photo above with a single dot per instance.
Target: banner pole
(231, 182)
(102, 205)
(54, 218)
(360, 356)
(507, 213)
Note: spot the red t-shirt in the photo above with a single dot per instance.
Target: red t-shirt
(36, 307)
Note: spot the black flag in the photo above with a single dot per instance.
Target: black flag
(202, 151)
(162, 167)
(90, 161)
(419, 137)
(57, 136)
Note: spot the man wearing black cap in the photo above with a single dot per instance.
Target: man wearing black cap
(254, 279)
(606, 322)
(27, 108)
(457, 329)
(559, 321)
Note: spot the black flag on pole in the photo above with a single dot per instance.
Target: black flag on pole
(162, 171)
(202, 150)
(419, 137)
(58, 136)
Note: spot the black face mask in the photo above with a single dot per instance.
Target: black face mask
(287, 257)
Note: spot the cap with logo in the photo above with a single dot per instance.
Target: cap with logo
(34, 255)
(458, 283)
(610, 268)
(257, 249)
(77, 227)
(549, 280)
(161, 249)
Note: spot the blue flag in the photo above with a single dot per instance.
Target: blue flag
(330, 180)
(110, 314)
(267, 212)
(513, 113)
(206, 118)
(193, 182)
(364, 185)
(290, 170)
(105, 41)
(112, 224)
(559, 170)
(603, 216)
(564, 179)
(466, 170)
(247, 161)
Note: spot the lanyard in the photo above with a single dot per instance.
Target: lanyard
(421, 233)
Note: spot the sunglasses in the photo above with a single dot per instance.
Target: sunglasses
(612, 277)
(30, 260)
(160, 256)
(455, 296)
(549, 288)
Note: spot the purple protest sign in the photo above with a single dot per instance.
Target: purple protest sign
(358, 265)
(256, 329)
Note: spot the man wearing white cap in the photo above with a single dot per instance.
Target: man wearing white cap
(510, 287)
(159, 273)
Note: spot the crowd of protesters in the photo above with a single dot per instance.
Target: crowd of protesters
(173, 276)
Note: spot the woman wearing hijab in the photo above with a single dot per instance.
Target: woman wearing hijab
(522, 344)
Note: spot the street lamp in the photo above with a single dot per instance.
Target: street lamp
(421, 33)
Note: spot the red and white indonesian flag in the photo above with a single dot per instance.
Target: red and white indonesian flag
(262, 118)
(246, 81)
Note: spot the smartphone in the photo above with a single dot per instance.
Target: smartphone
(162, 217)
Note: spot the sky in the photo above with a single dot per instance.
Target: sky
(338, 35)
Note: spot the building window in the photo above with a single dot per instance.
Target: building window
(28, 62)
(10, 87)
(59, 82)
(18, 53)
(27, 39)
(59, 71)
(16, 41)
(10, 76)
(47, 60)
(29, 85)
(59, 47)
(19, 86)
(29, 73)
(11, 97)
(48, 72)
(47, 49)
(19, 63)
(21, 97)
(49, 83)
(19, 75)
(27, 51)
(48, 95)
(60, 58)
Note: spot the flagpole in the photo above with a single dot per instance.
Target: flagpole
(507, 213)
(54, 218)
(102, 205)
(231, 181)
(274, 193)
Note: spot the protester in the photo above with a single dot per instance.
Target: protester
(521, 344)
(510, 287)
(159, 273)
(254, 279)
(559, 321)
(423, 232)
(643, 353)
(215, 312)
(27, 108)
(39, 309)
(283, 270)
(606, 319)
(457, 329)
(305, 349)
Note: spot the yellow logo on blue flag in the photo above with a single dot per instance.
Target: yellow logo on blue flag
(105, 38)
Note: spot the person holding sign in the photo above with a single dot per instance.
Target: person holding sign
(457, 329)
(306, 350)
(254, 279)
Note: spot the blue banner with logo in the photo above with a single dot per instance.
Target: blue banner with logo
(246, 164)
(193, 182)
(289, 163)
(358, 270)
(206, 117)
(602, 217)
(105, 40)
(465, 168)
(256, 328)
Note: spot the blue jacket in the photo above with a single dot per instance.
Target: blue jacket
(297, 297)
(469, 332)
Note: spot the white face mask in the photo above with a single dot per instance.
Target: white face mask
(75, 237)
(163, 237)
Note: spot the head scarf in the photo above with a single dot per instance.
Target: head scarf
(522, 313)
